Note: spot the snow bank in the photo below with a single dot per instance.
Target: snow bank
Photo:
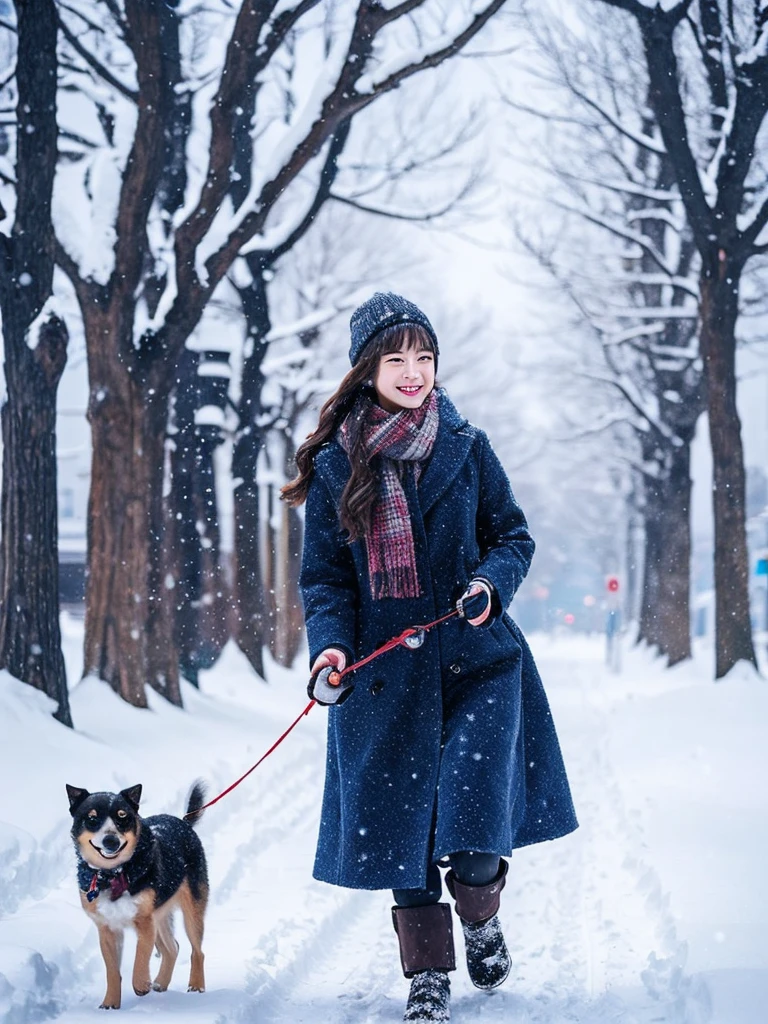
(655, 910)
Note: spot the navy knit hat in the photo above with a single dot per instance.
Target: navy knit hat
(384, 310)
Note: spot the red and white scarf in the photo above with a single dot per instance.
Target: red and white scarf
(407, 436)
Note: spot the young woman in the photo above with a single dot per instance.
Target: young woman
(445, 755)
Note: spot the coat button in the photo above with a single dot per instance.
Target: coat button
(377, 687)
(455, 667)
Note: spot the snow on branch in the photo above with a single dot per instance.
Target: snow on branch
(641, 8)
(643, 331)
(656, 312)
(51, 311)
(404, 65)
(689, 353)
(627, 187)
(317, 318)
(756, 53)
(100, 69)
(686, 284)
(605, 421)
(640, 138)
(656, 213)
(395, 214)
(621, 232)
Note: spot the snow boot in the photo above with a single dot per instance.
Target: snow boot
(425, 935)
(488, 960)
(429, 998)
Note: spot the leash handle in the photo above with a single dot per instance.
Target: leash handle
(263, 757)
(396, 641)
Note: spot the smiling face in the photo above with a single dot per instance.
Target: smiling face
(105, 828)
(404, 378)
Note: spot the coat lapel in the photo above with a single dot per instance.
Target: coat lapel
(452, 446)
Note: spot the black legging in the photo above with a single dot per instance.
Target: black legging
(469, 867)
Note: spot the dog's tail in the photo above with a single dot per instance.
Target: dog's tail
(195, 803)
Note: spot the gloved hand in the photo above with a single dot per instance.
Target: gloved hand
(475, 603)
(323, 687)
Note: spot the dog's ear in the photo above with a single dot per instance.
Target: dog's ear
(76, 797)
(133, 796)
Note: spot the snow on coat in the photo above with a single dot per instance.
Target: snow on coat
(451, 746)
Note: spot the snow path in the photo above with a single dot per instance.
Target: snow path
(591, 933)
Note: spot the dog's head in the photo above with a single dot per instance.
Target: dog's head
(105, 826)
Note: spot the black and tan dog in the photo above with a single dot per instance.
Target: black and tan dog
(135, 871)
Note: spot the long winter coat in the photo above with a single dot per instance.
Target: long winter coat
(452, 746)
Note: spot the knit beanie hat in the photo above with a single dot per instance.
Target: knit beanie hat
(383, 310)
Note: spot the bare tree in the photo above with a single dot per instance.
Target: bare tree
(629, 266)
(133, 356)
(201, 591)
(35, 343)
(715, 147)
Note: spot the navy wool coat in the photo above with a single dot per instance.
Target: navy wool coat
(452, 746)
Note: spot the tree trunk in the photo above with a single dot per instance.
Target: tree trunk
(674, 625)
(200, 593)
(285, 535)
(128, 614)
(719, 287)
(30, 637)
(30, 640)
(250, 609)
(665, 617)
(649, 632)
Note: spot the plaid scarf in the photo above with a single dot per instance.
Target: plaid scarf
(396, 439)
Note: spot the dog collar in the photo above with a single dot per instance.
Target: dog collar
(115, 880)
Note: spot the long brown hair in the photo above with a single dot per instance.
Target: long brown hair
(362, 488)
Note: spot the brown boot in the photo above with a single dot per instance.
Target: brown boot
(426, 953)
(488, 960)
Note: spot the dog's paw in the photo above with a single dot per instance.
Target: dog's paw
(110, 1005)
(193, 988)
(157, 987)
(142, 988)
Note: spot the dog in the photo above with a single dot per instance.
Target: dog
(135, 871)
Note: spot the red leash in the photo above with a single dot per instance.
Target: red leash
(396, 641)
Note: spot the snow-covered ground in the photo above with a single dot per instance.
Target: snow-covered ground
(655, 910)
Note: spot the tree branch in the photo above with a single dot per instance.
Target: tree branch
(751, 234)
(339, 106)
(95, 64)
(246, 57)
(668, 108)
(621, 232)
(145, 164)
(393, 214)
(652, 145)
(8, 78)
(438, 56)
(387, 16)
(327, 177)
(711, 47)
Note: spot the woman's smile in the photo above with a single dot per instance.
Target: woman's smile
(404, 378)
